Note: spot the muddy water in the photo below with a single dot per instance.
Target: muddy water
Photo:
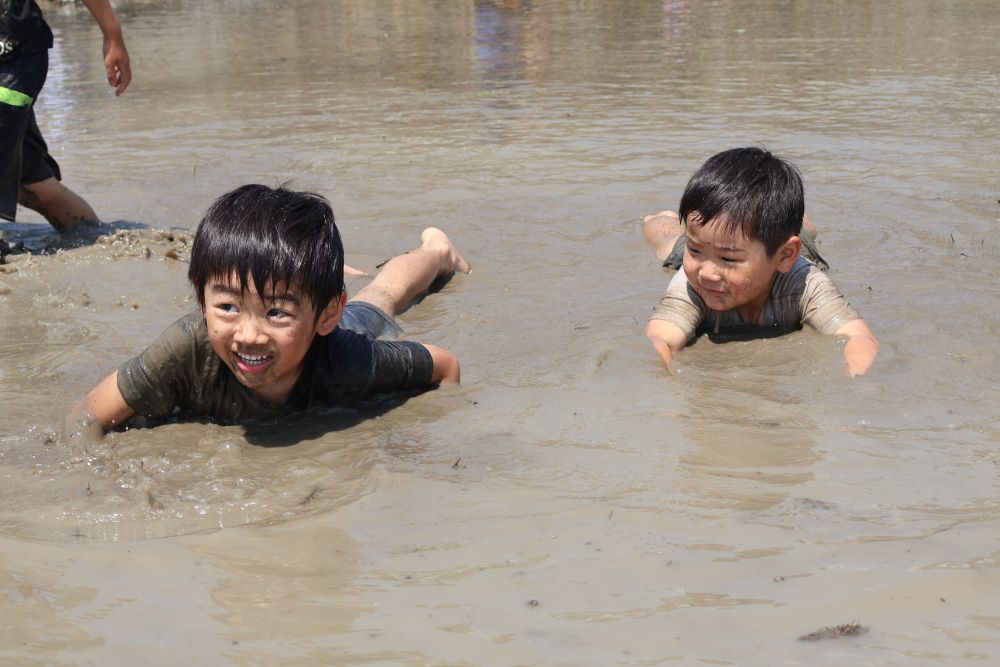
(570, 503)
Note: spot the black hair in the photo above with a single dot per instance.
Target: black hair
(759, 195)
(270, 235)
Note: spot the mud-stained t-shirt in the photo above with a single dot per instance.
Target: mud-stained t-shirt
(22, 28)
(804, 295)
(180, 370)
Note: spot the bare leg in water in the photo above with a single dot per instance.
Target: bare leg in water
(407, 276)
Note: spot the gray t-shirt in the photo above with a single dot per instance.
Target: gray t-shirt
(804, 295)
(181, 370)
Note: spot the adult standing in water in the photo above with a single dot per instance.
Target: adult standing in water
(28, 174)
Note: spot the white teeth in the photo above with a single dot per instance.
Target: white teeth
(252, 359)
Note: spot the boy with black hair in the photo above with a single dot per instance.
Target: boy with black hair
(28, 174)
(275, 333)
(749, 258)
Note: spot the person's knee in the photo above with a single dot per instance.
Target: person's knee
(378, 296)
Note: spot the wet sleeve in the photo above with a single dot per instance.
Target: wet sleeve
(151, 383)
(678, 306)
(400, 365)
(823, 306)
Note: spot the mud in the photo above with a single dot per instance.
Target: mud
(570, 503)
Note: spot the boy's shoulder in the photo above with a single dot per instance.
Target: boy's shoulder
(345, 366)
(345, 355)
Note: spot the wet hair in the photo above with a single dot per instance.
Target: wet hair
(758, 195)
(270, 235)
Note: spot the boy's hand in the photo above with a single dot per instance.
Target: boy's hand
(861, 348)
(666, 338)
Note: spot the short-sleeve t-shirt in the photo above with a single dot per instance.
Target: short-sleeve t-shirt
(180, 370)
(803, 295)
(22, 28)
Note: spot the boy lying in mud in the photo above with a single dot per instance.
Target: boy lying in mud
(275, 333)
(749, 258)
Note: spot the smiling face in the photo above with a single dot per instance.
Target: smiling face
(729, 271)
(264, 342)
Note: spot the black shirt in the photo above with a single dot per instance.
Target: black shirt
(181, 370)
(22, 28)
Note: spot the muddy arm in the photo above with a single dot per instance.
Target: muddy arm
(116, 61)
(667, 338)
(861, 348)
(104, 407)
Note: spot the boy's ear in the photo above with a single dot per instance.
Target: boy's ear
(788, 253)
(330, 317)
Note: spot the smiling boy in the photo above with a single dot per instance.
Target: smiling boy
(749, 259)
(275, 333)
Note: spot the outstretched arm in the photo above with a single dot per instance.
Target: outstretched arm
(116, 60)
(104, 405)
(861, 348)
(446, 368)
(667, 338)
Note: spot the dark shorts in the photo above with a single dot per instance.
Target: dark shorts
(675, 259)
(368, 320)
(24, 157)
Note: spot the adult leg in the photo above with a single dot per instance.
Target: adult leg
(662, 231)
(62, 207)
(21, 79)
(407, 276)
(33, 170)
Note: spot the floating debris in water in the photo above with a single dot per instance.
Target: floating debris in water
(309, 496)
(153, 502)
(145, 243)
(851, 629)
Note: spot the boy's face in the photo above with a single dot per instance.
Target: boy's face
(728, 271)
(264, 342)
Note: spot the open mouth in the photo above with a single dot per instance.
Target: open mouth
(252, 363)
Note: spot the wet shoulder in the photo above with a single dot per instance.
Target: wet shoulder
(793, 283)
(338, 366)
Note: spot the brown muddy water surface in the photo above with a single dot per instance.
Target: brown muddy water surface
(570, 503)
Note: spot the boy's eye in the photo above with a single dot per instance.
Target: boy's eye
(694, 251)
(226, 307)
(277, 313)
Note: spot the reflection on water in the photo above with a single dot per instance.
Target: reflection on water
(570, 481)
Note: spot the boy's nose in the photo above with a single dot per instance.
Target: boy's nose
(709, 271)
(250, 332)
